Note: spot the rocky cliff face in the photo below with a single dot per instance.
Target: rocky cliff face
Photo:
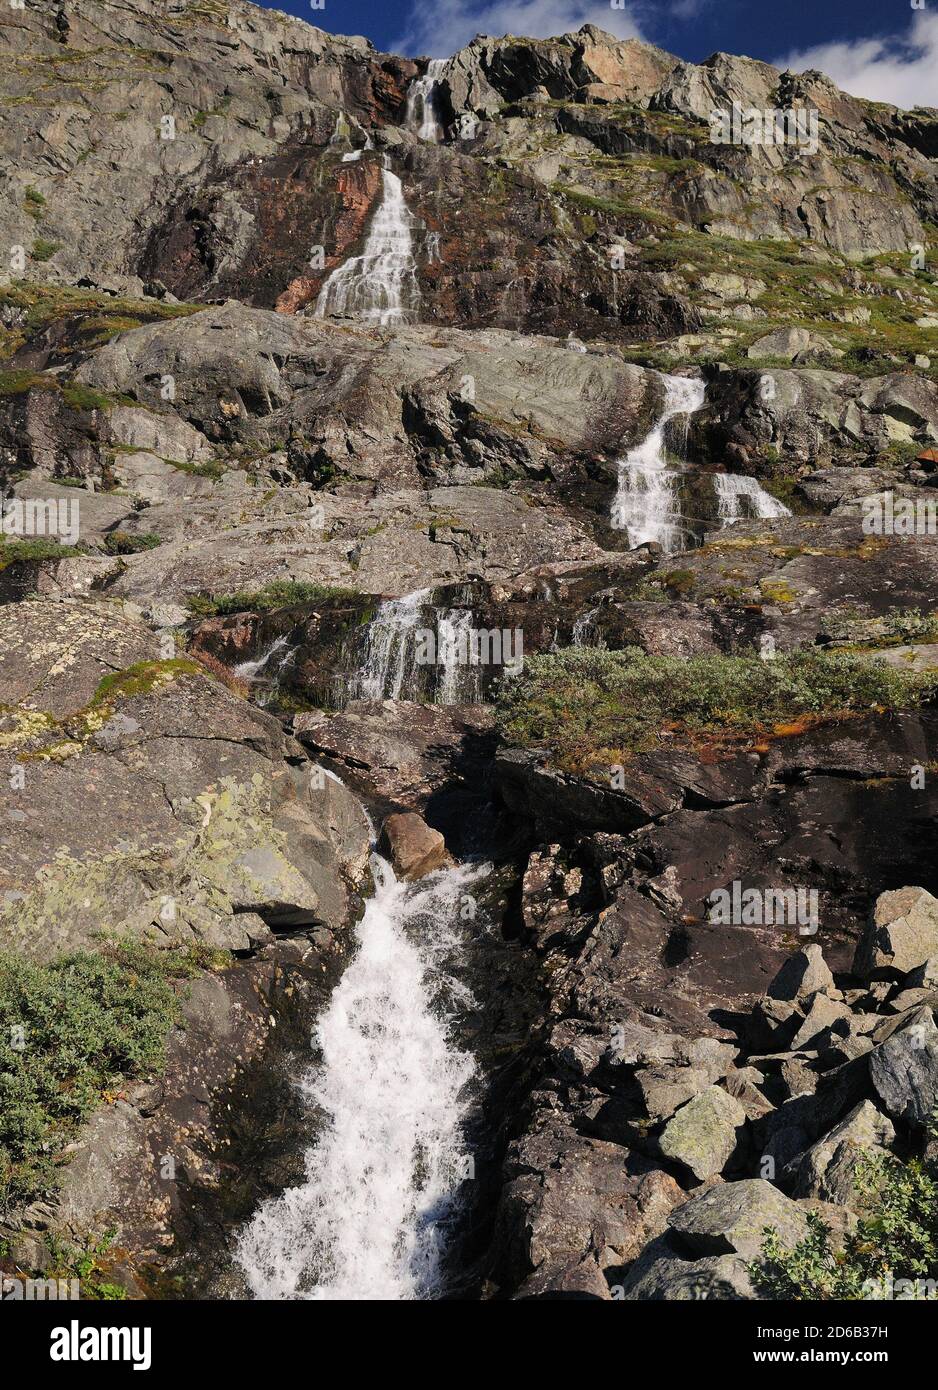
(265, 503)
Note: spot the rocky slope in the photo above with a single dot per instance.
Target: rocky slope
(257, 489)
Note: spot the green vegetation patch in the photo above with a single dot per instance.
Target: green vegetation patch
(123, 543)
(43, 249)
(590, 706)
(143, 677)
(71, 1032)
(40, 548)
(280, 593)
(895, 1239)
(98, 316)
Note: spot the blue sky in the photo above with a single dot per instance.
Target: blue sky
(883, 49)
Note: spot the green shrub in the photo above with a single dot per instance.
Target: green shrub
(585, 703)
(43, 249)
(33, 203)
(122, 543)
(38, 548)
(895, 1239)
(280, 593)
(70, 1031)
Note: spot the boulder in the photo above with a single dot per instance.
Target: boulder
(705, 1133)
(193, 825)
(732, 1219)
(803, 974)
(904, 1069)
(924, 976)
(663, 1273)
(413, 848)
(570, 1200)
(664, 1089)
(828, 1169)
(901, 934)
(822, 1015)
(795, 344)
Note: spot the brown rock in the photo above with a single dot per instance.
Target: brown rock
(412, 846)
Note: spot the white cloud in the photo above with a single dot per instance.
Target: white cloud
(899, 70)
(440, 27)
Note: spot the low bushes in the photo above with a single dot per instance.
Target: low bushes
(280, 593)
(590, 705)
(71, 1031)
(895, 1239)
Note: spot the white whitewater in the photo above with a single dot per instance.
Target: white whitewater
(379, 286)
(370, 1220)
(389, 648)
(646, 504)
(459, 682)
(352, 156)
(420, 114)
(741, 498)
(265, 668)
(584, 632)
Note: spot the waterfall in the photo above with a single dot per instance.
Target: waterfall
(388, 657)
(387, 666)
(370, 1219)
(739, 497)
(646, 504)
(454, 630)
(420, 114)
(584, 630)
(341, 130)
(352, 156)
(266, 668)
(379, 286)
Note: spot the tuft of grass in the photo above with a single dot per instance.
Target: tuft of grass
(38, 548)
(43, 249)
(591, 706)
(78, 397)
(122, 543)
(280, 593)
(141, 678)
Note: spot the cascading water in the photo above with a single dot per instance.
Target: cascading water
(741, 498)
(382, 1183)
(584, 632)
(420, 114)
(413, 650)
(264, 670)
(646, 504)
(379, 286)
(454, 632)
(390, 649)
